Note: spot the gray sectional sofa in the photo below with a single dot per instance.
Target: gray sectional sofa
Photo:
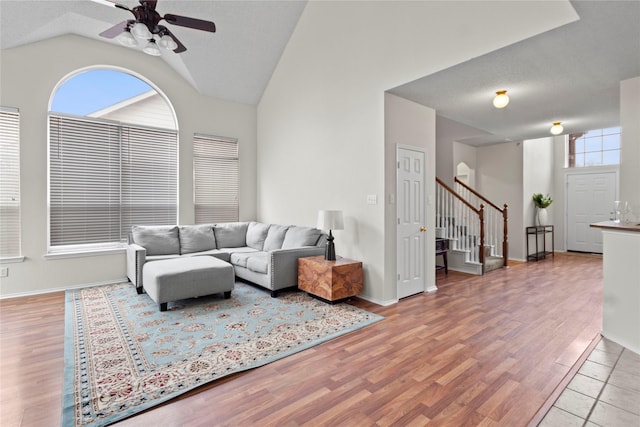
(264, 254)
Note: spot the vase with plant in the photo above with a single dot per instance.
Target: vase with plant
(542, 203)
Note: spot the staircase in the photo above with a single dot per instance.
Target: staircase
(475, 227)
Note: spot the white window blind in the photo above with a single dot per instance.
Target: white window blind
(216, 176)
(106, 176)
(9, 182)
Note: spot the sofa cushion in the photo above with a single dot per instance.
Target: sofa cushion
(196, 238)
(256, 235)
(240, 258)
(300, 236)
(258, 263)
(275, 237)
(231, 234)
(157, 239)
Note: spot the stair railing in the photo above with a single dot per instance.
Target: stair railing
(496, 219)
(461, 221)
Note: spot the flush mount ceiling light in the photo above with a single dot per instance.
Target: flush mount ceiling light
(501, 100)
(556, 129)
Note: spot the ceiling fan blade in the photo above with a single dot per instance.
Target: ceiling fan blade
(112, 4)
(184, 21)
(115, 30)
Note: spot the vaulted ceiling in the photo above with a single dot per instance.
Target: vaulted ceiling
(235, 63)
(570, 74)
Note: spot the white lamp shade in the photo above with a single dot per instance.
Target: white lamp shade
(127, 39)
(330, 220)
(152, 48)
(167, 42)
(140, 31)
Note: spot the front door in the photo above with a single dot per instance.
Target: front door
(411, 221)
(590, 198)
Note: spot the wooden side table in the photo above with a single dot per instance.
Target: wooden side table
(331, 281)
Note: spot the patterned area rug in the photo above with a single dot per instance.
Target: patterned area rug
(123, 356)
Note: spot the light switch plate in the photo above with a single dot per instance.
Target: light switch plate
(372, 199)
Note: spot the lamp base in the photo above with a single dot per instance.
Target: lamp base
(330, 249)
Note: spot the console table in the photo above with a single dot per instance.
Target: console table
(330, 281)
(539, 234)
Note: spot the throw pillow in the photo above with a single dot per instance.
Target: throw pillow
(300, 236)
(231, 234)
(275, 237)
(157, 239)
(256, 235)
(196, 238)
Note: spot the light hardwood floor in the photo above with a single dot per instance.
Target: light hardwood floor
(481, 351)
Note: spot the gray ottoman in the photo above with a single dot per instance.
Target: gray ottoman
(186, 277)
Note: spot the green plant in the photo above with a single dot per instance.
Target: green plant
(541, 201)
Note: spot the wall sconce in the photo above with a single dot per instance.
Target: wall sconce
(556, 129)
(501, 100)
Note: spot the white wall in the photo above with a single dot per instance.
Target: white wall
(413, 125)
(499, 177)
(449, 152)
(559, 192)
(537, 176)
(320, 120)
(28, 75)
(467, 154)
(630, 143)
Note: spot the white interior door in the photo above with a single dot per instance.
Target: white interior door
(411, 222)
(590, 198)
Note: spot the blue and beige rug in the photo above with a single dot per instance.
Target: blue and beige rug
(123, 356)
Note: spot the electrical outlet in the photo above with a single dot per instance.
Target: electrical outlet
(4, 272)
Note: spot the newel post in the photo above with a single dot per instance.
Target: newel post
(481, 216)
(505, 235)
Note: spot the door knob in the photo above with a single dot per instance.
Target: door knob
(423, 229)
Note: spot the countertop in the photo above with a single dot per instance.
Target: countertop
(621, 226)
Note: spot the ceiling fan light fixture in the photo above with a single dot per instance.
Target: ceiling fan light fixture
(556, 129)
(140, 31)
(127, 39)
(151, 48)
(167, 42)
(501, 100)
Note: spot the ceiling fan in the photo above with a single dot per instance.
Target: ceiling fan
(146, 30)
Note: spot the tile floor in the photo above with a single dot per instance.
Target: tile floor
(604, 392)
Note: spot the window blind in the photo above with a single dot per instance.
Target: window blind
(216, 179)
(9, 182)
(105, 176)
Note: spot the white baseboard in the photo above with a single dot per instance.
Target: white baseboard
(61, 289)
(378, 302)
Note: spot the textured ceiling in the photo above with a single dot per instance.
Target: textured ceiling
(235, 63)
(570, 74)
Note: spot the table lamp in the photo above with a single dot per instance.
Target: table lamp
(330, 220)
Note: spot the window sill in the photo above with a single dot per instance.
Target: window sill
(12, 259)
(83, 253)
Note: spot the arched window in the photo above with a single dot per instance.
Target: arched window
(112, 160)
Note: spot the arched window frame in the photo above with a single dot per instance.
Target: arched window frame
(135, 172)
